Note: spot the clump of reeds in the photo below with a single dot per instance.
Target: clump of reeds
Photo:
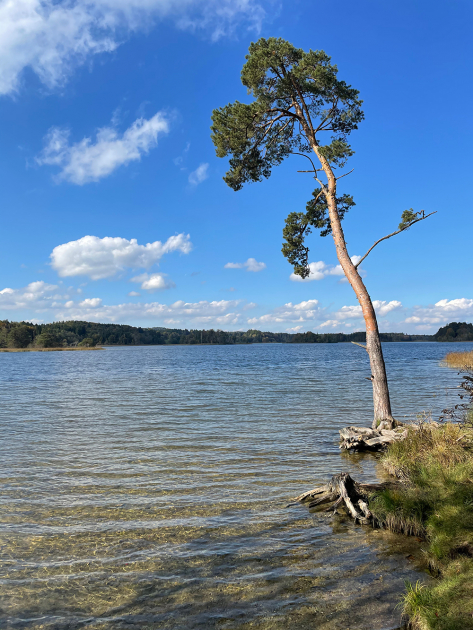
(460, 360)
(435, 501)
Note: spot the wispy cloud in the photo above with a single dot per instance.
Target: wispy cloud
(199, 175)
(88, 161)
(250, 265)
(219, 313)
(52, 38)
(100, 258)
(308, 310)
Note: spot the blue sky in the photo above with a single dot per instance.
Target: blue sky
(114, 208)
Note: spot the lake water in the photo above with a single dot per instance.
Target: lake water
(146, 487)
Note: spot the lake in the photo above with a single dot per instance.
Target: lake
(146, 487)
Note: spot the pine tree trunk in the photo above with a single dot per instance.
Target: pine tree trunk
(381, 400)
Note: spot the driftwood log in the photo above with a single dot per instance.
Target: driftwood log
(342, 491)
(364, 439)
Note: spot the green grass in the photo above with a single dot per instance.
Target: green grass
(448, 605)
(435, 502)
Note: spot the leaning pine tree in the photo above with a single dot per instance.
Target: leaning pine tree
(297, 99)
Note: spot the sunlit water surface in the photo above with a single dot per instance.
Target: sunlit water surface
(147, 487)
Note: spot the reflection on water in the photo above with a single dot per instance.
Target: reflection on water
(146, 487)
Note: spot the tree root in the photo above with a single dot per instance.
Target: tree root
(343, 490)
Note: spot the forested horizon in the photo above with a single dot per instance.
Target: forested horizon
(90, 334)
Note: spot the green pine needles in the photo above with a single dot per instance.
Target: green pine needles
(298, 98)
(299, 102)
(300, 224)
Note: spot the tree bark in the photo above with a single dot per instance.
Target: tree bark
(381, 400)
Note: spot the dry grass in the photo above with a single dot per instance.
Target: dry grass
(47, 349)
(460, 360)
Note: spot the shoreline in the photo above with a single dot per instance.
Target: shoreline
(429, 498)
(66, 349)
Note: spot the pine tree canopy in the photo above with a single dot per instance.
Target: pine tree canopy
(298, 104)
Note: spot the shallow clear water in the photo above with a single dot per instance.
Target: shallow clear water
(146, 487)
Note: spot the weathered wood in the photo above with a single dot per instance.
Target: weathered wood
(379, 441)
(333, 508)
(325, 498)
(345, 480)
(310, 493)
(342, 489)
(363, 438)
(388, 432)
(364, 508)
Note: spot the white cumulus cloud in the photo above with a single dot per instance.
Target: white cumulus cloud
(100, 258)
(250, 265)
(442, 312)
(53, 37)
(154, 282)
(199, 175)
(36, 295)
(382, 308)
(88, 161)
(319, 270)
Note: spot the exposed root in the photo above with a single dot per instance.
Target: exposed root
(342, 490)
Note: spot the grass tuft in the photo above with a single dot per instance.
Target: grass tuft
(448, 605)
(435, 502)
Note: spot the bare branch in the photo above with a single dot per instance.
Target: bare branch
(361, 345)
(306, 156)
(393, 234)
(337, 178)
(286, 112)
(322, 185)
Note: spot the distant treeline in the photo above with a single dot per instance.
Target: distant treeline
(456, 331)
(61, 334)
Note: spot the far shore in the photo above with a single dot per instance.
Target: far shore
(47, 349)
